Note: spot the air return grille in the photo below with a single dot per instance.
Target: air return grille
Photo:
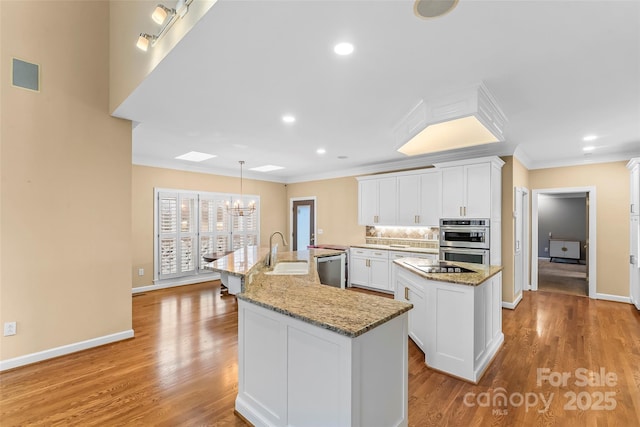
(25, 75)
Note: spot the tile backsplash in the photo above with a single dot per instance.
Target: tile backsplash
(417, 237)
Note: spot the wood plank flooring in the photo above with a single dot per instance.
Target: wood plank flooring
(567, 278)
(181, 370)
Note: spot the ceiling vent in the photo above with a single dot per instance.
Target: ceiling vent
(465, 118)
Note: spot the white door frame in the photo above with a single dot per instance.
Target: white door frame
(315, 216)
(526, 233)
(592, 233)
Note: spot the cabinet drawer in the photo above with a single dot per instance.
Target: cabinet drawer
(370, 253)
(401, 254)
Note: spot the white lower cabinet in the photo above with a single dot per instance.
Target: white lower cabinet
(458, 327)
(292, 373)
(408, 289)
(369, 268)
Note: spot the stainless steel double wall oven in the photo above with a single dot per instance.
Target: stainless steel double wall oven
(465, 240)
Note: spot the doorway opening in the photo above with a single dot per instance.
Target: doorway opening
(303, 222)
(563, 246)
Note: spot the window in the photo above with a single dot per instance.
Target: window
(192, 224)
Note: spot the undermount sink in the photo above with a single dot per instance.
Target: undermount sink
(290, 268)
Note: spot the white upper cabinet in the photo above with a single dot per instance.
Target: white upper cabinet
(419, 199)
(472, 190)
(377, 201)
(462, 189)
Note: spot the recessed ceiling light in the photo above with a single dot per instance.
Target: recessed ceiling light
(343, 49)
(288, 118)
(267, 168)
(589, 148)
(321, 151)
(590, 138)
(195, 156)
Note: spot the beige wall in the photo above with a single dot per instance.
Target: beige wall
(611, 181)
(130, 65)
(336, 206)
(66, 182)
(273, 207)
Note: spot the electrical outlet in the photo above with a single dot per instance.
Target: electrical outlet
(9, 328)
(546, 249)
(141, 272)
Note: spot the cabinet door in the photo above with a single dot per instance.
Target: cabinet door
(409, 200)
(387, 201)
(430, 199)
(358, 271)
(407, 291)
(379, 273)
(478, 191)
(368, 202)
(452, 192)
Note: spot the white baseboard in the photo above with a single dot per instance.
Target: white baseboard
(616, 298)
(63, 350)
(512, 305)
(172, 283)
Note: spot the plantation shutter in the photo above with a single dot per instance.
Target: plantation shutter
(177, 234)
(215, 229)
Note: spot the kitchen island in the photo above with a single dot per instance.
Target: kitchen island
(457, 316)
(310, 354)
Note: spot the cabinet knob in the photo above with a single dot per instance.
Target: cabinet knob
(406, 293)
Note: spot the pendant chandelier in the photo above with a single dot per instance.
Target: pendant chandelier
(237, 209)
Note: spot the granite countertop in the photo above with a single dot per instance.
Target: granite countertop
(397, 248)
(480, 275)
(240, 262)
(302, 297)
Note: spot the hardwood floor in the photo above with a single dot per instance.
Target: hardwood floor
(567, 278)
(181, 370)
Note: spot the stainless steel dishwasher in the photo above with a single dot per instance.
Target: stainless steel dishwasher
(331, 270)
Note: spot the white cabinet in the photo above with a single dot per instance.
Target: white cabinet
(464, 326)
(408, 289)
(458, 327)
(564, 249)
(377, 201)
(293, 373)
(369, 268)
(466, 191)
(419, 198)
(472, 188)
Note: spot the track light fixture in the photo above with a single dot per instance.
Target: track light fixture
(161, 13)
(166, 17)
(143, 41)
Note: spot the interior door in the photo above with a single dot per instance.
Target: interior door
(304, 225)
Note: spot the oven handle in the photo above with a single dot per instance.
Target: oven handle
(465, 250)
(466, 229)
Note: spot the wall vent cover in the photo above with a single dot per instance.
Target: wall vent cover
(25, 75)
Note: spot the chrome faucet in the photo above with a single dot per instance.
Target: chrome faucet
(270, 257)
